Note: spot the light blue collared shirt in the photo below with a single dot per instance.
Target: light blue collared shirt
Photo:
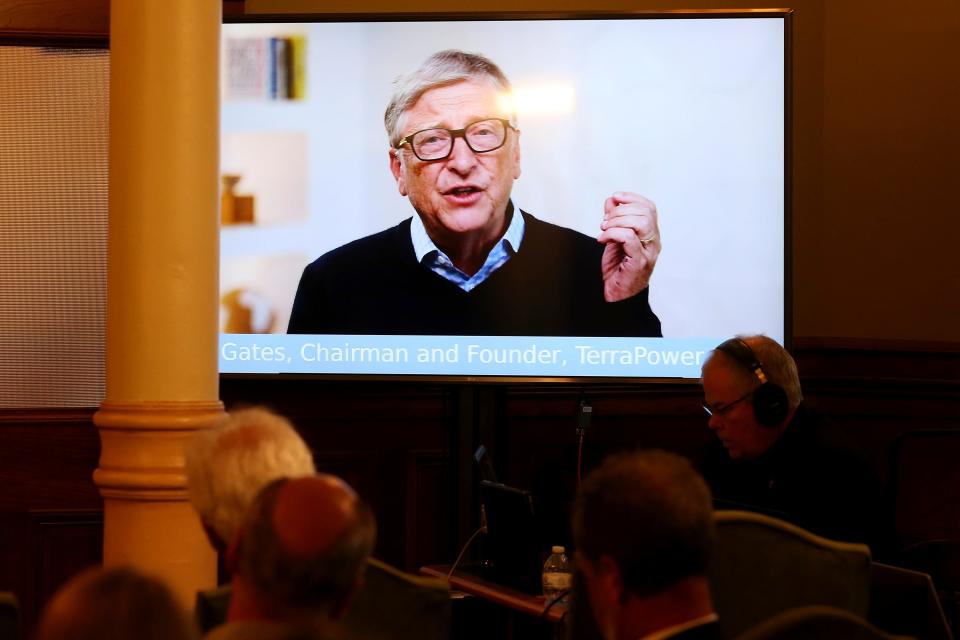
(429, 255)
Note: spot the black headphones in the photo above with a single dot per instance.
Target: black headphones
(770, 405)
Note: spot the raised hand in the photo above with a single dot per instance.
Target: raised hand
(632, 238)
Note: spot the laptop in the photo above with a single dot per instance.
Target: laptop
(484, 464)
(513, 554)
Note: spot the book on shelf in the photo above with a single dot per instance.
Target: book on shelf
(265, 68)
(298, 67)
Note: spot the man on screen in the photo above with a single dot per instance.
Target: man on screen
(469, 262)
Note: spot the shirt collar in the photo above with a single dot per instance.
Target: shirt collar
(423, 246)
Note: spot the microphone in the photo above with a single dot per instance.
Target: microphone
(584, 415)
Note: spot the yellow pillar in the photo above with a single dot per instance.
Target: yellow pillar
(162, 309)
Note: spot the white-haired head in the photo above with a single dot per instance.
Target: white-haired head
(229, 464)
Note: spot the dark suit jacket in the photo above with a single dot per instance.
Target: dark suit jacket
(809, 477)
(708, 631)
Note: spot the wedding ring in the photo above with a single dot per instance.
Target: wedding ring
(648, 240)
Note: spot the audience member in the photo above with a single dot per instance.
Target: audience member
(265, 630)
(229, 464)
(118, 603)
(643, 531)
(300, 556)
(773, 455)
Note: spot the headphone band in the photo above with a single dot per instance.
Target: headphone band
(742, 353)
(770, 402)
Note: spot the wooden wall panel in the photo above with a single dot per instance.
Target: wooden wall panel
(47, 460)
(41, 550)
(406, 447)
(426, 509)
(64, 542)
(875, 390)
(370, 433)
(77, 22)
(50, 511)
(537, 447)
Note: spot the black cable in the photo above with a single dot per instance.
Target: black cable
(584, 416)
(482, 529)
(554, 600)
(579, 458)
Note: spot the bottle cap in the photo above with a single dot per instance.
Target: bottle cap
(557, 549)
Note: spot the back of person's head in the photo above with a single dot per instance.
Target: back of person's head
(305, 546)
(264, 630)
(230, 463)
(440, 69)
(651, 513)
(117, 603)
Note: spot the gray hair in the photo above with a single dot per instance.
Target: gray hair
(441, 69)
(230, 463)
(777, 363)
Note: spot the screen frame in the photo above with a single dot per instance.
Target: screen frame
(785, 14)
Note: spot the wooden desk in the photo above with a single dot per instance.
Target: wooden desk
(498, 594)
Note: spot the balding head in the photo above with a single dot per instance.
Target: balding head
(305, 545)
(311, 514)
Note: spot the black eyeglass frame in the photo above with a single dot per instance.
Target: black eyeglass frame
(724, 409)
(454, 134)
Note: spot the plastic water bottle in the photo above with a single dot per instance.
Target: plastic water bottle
(556, 573)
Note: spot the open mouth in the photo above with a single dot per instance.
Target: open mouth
(461, 191)
(463, 195)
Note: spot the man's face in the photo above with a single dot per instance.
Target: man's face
(733, 419)
(466, 193)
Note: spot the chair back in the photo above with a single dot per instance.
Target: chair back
(925, 485)
(763, 566)
(210, 608)
(391, 604)
(9, 616)
(815, 621)
(924, 480)
(398, 605)
(905, 602)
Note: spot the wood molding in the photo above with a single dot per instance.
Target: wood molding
(68, 23)
(47, 415)
(234, 7)
(864, 362)
(49, 21)
(47, 459)
(823, 343)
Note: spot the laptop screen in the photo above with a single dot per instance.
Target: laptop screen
(512, 544)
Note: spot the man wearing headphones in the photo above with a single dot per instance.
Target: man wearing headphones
(772, 454)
